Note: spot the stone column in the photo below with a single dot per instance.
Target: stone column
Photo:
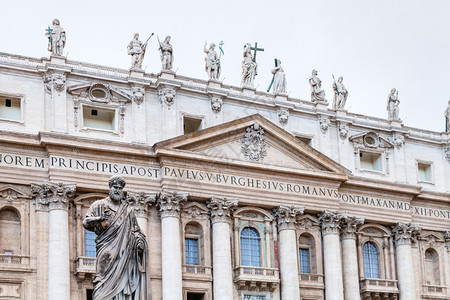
(55, 197)
(288, 251)
(221, 209)
(403, 236)
(169, 206)
(349, 226)
(332, 255)
(447, 259)
(141, 202)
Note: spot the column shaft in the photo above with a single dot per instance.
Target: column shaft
(288, 265)
(350, 266)
(58, 254)
(333, 268)
(222, 269)
(405, 272)
(171, 259)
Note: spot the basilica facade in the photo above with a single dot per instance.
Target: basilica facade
(241, 194)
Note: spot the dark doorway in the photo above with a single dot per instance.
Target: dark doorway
(195, 296)
(89, 295)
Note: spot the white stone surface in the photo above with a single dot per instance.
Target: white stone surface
(405, 272)
(333, 267)
(288, 265)
(350, 267)
(222, 272)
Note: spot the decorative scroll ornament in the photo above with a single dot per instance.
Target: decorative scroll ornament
(216, 104)
(287, 216)
(52, 195)
(141, 202)
(331, 221)
(253, 144)
(169, 204)
(349, 225)
(167, 95)
(221, 209)
(405, 233)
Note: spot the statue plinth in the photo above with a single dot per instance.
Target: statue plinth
(214, 84)
(137, 73)
(396, 123)
(280, 97)
(167, 74)
(321, 105)
(57, 59)
(341, 112)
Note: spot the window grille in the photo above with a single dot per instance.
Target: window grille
(371, 261)
(250, 247)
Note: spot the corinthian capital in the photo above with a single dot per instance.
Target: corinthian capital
(349, 225)
(51, 195)
(404, 233)
(287, 215)
(221, 209)
(169, 204)
(141, 202)
(330, 221)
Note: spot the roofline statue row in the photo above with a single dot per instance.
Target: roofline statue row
(57, 40)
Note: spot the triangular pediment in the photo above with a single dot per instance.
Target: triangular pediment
(251, 141)
(99, 92)
(370, 139)
(11, 193)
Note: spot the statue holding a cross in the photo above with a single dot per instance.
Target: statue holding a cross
(249, 65)
(56, 38)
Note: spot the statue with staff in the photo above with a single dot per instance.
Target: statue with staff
(122, 249)
(56, 38)
(166, 52)
(249, 64)
(212, 60)
(137, 51)
(392, 105)
(340, 93)
(279, 79)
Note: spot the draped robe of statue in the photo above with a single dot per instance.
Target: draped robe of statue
(317, 94)
(249, 69)
(120, 265)
(279, 80)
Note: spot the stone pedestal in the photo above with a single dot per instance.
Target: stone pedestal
(286, 218)
(167, 74)
(214, 84)
(55, 198)
(332, 255)
(221, 233)
(349, 227)
(403, 234)
(172, 281)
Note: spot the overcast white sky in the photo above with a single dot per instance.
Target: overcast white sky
(375, 45)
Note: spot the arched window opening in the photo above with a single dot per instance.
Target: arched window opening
(193, 244)
(89, 244)
(10, 233)
(371, 260)
(307, 254)
(432, 267)
(250, 247)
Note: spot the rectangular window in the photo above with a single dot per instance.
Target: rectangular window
(191, 125)
(191, 251)
(424, 172)
(304, 261)
(10, 108)
(370, 161)
(252, 297)
(195, 296)
(89, 243)
(99, 118)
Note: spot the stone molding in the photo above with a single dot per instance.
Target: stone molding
(330, 221)
(349, 225)
(170, 204)
(49, 195)
(287, 216)
(405, 233)
(141, 202)
(221, 209)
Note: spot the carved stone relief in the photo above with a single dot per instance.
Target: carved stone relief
(167, 95)
(170, 204)
(59, 82)
(52, 195)
(405, 233)
(287, 216)
(283, 116)
(324, 123)
(216, 104)
(141, 202)
(343, 130)
(138, 94)
(253, 144)
(221, 209)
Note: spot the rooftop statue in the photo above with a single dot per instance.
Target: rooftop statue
(137, 51)
(121, 247)
(249, 66)
(212, 62)
(278, 83)
(317, 94)
(447, 118)
(340, 94)
(392, 106)
(166, 54)
(56, 38)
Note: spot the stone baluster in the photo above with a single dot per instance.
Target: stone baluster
(169, 205)
(288, 251)
(404, 234)
(349, 226)
(221, 209)
(141, 202)
(55, 198)
(332, 255)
